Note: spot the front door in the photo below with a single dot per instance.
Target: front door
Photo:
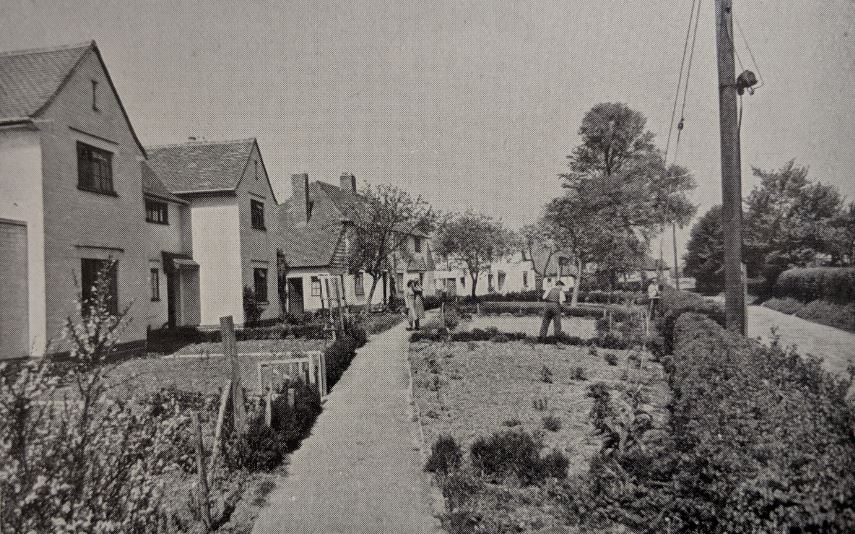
(295, 295)
(171, 297)
(14, 291)
(451, 287)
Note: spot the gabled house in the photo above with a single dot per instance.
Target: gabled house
(72, 195)
(233, 222)
(315, 229)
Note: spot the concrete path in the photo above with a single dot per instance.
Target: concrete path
(836, 347)
(361, 469)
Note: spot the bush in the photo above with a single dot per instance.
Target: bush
(578, 373)
(763, 438)
(252, 307)
(515, 454)
(676, 303)
(786, 305)
(552, 423)
(611, 358)
(834, 284)
(338, 357)
(823, 312)
(445, 456)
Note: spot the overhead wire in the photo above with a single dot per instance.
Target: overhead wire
(688, 78)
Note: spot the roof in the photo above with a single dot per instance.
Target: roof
(314, 244)
(551, 269)
(153, 186)
(201, 166)
(31, 79)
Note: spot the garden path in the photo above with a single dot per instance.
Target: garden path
(836, 347)
(360, 471)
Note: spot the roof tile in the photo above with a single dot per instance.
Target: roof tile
(196, 167)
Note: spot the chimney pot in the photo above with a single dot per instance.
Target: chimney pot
(348, 182)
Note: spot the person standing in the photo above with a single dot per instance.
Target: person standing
(654, 294)
(418, 304)
(554, 298)
(409, 301)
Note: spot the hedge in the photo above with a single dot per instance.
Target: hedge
(534, 308)
(763, 439)
(675, 303)
(834, 284)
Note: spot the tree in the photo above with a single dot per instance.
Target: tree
(473, 241)
(538, 242)
(378, 227)
(705, 252)
(789, 221)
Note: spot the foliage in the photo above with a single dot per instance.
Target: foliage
(552, 423)
(540, 241)
(262, 448)
(611, 358)
(514, 453)
(834, 284)
(823, 312)
(445, 456)
(473, 241)
(674, 304)
(380, 225)
(546, 375)
(376, 323)
(784, 305)
(252, 307)
(338, 357)
(704, 259)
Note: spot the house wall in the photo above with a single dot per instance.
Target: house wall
(310, 302)
(514, 269)
(361, 300)
(81, 224)
(22, 200)
(162, 238)
(216, 246)
(258, 247)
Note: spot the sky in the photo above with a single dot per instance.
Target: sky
(471, 104)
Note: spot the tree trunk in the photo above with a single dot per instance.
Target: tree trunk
(367, 309)
(474, 284)
(574, 300)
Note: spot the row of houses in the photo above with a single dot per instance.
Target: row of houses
(189, 226)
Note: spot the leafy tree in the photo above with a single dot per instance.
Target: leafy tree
(474, 241)
(705, 252)
(539, 242)
(379, 226)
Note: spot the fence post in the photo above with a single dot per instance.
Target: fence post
(227, 331)
(221, 416)
(204, 503)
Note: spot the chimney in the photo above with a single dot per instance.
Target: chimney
(348, 182)
(301, 207)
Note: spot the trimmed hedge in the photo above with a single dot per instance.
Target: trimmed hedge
(834, 284)
(763, 439)
(674, 304)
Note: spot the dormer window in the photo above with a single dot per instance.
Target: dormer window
(95, 95)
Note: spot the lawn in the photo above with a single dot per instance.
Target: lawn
(472, 389)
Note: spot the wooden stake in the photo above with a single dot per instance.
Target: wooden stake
(204, 503)
(227, 330)
(268, 409)
(221, 416)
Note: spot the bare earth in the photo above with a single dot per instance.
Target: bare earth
(530, 324)
(361, 469)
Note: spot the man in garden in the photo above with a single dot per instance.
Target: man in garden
(554, 298)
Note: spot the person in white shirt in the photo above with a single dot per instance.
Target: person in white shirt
(654, 293)
(554, 298)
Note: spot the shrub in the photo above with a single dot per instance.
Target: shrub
(786, 305)
(252, 307)
(338, 357)
(611, 358)
(676, 303)
(834, 284)
(546, 375)
(830, 314)
(578, 373)
(445, 456)
(512, 422)
(554, 465)
(514, 453)
(552, 423)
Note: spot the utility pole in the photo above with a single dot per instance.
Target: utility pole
(676, 261)
(731, 180)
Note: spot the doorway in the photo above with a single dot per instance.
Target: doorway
(295, 295)
(14, 291)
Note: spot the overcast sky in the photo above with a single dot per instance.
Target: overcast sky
(471, 104)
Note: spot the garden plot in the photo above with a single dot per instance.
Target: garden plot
(472, 389)
(582, 327)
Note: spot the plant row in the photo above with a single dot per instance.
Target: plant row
(833, 284)
(819, 311)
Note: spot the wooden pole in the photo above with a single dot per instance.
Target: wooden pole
(204, 503)
(731, 179)
(221, 416)
(676, 260)
(227, 330)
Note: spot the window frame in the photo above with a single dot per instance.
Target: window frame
(157, 204)
(154, 283)
(86, 175)
(417, 244)
(89, 269)
(260, 296)
(315, 283)
(255, 222)
(359, 284)
(95, 95)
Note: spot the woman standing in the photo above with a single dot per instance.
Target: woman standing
(409, 302)
(418, 304)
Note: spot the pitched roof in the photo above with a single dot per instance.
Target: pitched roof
(31, 79)
(152, 186)
(198, 167)
(313, 244)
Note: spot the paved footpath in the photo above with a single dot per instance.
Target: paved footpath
(836, 347)
(361, 469)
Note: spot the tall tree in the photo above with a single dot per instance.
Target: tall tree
(379, 226)
(540, 244)
(705, 252)
(473, 241)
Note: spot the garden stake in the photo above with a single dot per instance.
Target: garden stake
(204, 504)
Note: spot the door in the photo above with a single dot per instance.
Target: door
(451, 287)
(14, 291)
(295, 295)
(172, 297)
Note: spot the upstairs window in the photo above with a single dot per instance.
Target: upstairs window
(94, 169)
(156, 212)
(417, 243)
(155, 284)
(257, 214)
(259, 276)
(89, 271)
(94, 95)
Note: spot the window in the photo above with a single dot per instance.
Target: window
(89, 271)
(359, 284)
(525, 279)
(94, 95)
(155, 285)
(316, 286)
(463, 281)
(256, 169)
(257, 214)
(259, 277)
(156, 212)
(94, 169)
(417, 243)
(399, 280)
(422, 279)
